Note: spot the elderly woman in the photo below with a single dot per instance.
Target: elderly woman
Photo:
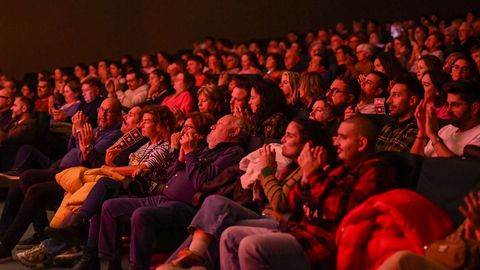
(364, 53)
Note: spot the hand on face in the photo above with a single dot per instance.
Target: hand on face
(311, 159)
(189, 142)
(267, 157)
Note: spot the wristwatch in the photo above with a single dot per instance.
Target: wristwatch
(89, 147)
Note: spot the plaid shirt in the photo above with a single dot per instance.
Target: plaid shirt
(327, 199)
(397, 136)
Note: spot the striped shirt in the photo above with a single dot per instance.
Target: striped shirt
(157, 157)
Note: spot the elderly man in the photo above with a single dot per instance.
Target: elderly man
(87, 147)
(170, 211)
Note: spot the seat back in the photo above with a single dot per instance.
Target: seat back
(407, 167)
(446, 181)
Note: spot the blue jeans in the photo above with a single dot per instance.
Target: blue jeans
(217, 214)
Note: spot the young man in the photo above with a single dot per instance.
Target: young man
(21, 130)
(137, 90)
(195, 65)
(399, 135)
(463, 100)
(87, 147)
(322, 198)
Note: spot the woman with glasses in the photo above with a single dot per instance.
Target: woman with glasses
(463, 69)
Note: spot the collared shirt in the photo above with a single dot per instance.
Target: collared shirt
(396, 136)
(327, 199)
(187, 178)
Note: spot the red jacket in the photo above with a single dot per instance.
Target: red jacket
(384, 224)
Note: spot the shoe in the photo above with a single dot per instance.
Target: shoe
(68, 258)
(74, 236)
(11, 175)
(186, 259)
(89, 261)
(33, 240)
(5, 254)
(37, 255)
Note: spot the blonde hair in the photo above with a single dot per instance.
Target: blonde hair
(294, 81)
(215, 94)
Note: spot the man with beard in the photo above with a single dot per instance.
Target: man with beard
(463, 102)
(87, 148)
(343, 93)
(21, 130)
(399, 135)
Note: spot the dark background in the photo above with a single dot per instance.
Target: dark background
(36, 35)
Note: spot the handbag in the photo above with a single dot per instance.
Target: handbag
(455, 254)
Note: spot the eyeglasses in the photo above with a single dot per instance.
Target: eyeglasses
(336, 90)
(455, 104)
(188, 127)
(107, 111)
(461, 69)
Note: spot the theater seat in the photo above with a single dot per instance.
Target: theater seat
(446, 181)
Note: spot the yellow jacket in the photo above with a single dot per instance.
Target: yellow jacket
(77, 182)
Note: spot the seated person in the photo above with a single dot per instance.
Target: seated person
(468, 231)
(463, 103)
(136, 92)
(155, 156)
(72, 91)
(170, 211)
(374, 85)
(319, 201)
(6, 102)
(87, 148)
(322, 111)
(342, 94)
(399, 135)
(22, 129)
(217, 212)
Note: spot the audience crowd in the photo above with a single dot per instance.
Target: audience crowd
(242, 155)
